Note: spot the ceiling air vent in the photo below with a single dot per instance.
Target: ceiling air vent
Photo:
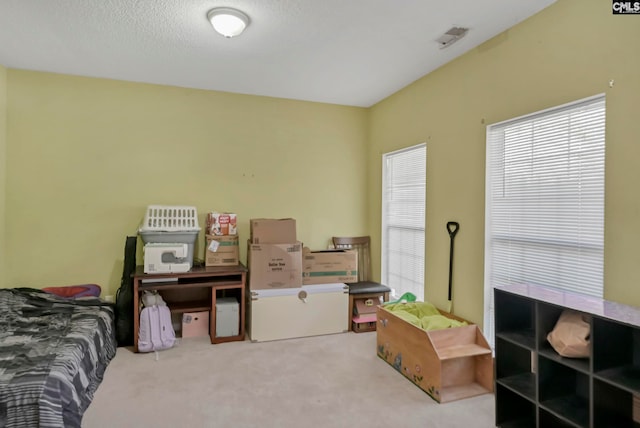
(451, 36)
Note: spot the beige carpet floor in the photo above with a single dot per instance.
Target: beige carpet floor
(324, 381)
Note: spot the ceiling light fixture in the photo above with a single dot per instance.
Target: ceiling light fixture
(227, 21)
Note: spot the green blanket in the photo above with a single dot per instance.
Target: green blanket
(423, 315)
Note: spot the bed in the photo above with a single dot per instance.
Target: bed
(444, 355)
(53, 354)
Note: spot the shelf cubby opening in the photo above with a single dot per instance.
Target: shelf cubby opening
(549, 420)
(234, 292)
(564, 392)
(516, 320)
(513, 410)
(614, 407)
(547, 317)
(190, 306)
(514, 369)
(187, 298)
(617, 354)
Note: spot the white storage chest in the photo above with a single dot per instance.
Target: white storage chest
(287, 313)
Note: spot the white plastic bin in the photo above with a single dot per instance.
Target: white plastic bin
(171, 224)
(227, 317)
(170, 218)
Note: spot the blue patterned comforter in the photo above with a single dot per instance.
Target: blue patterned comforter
(53, 354)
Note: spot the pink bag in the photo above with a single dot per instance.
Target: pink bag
(570, 336)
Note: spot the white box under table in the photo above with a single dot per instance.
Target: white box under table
(287, 313)
(227, 317)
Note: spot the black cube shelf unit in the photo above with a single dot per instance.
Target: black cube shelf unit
(536, 387)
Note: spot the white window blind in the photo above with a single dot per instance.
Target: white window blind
(545, 201)
(403, 208)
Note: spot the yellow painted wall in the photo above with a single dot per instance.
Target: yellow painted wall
(88, 155)
(3, 147)
(568, 51)
(84, 157)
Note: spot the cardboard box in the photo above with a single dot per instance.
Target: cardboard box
(364, 314)
(272, 231)
(221, 250)
(221, 224)
(325, 267)
(274, 265)
(362, 327)
(366, 306)
(195, 324)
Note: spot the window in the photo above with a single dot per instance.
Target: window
(545, 201)
(403, 207)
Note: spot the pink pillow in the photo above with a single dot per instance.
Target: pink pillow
(75, 291)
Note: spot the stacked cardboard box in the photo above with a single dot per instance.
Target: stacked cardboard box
(364, 314)
(279, 305)
(221, 224)
(329, 266)
(274, 256)
(221, 239)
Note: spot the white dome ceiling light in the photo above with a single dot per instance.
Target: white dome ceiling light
(227, 21)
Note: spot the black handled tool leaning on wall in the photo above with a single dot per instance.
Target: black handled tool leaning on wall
(452, 228)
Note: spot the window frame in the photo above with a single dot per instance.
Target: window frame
(573, 107)
(384, 256)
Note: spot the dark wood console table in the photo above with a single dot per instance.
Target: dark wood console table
(193, 291)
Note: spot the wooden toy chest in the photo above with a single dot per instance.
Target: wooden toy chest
(448, 364)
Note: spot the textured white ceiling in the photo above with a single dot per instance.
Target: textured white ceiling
(350, 52)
